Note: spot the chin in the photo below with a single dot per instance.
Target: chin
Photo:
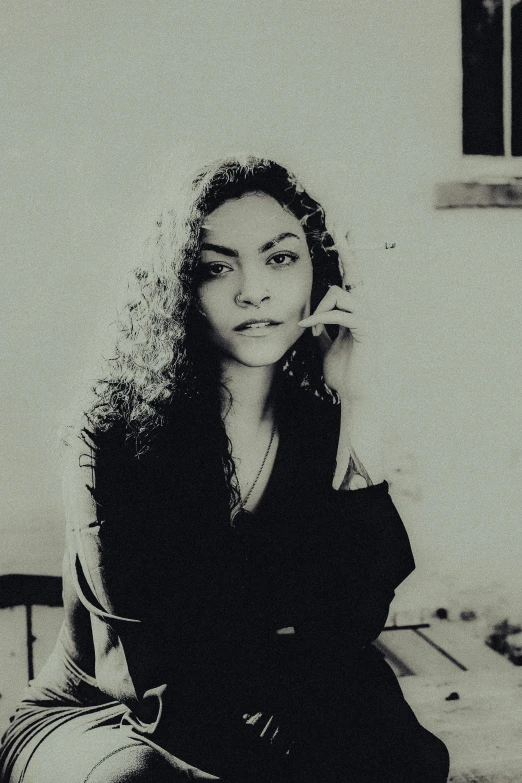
(258, 355)
(257, 352)
(257, 358)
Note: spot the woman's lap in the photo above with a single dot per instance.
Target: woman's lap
(381, 740)
(108, 756)
(98, 748)
(95, 747)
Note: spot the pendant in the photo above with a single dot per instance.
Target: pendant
(241, 519)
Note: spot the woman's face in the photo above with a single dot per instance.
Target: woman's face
(256, 277)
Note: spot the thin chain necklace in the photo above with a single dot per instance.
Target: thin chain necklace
(241, 514)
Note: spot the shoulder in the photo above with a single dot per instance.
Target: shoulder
(98, 457)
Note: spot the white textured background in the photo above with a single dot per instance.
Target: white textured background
(106, 104)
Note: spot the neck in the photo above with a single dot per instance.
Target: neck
(250, 389)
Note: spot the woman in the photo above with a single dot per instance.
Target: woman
(232, 546)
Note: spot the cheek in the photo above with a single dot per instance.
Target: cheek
(301, 294)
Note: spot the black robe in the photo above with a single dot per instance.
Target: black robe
(175, 613)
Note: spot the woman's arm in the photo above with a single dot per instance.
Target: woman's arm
(120, 643)
(350, 363)
(359, 452)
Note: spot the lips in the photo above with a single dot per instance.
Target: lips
(254, 325)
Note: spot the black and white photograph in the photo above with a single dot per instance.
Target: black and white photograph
(261, 439)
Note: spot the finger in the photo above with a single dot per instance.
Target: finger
(337, 297)
(328, 302)
(339, 317)
(351, 270)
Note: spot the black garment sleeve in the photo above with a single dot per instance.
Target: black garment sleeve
(98, 633)
(370, 516)
(361, 556)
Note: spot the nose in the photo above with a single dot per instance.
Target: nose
(252, 291)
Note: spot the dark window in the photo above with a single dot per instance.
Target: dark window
(482, 84)
(516, 78)
(492, 77)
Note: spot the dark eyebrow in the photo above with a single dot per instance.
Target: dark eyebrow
(275, 240)
(227, 251)
(224, 251)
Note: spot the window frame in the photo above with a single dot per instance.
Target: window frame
(487, 180)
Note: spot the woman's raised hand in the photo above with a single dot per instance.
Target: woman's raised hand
(345, 359)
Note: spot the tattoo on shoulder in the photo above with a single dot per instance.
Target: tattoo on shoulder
(356, 477)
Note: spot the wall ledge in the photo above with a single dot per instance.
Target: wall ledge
(482, 193)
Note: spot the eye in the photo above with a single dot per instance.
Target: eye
(213, 269)
(283, 259)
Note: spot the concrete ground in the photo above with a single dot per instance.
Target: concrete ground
(466, 694)
(482, 728)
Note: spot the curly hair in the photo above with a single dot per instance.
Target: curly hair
(162, 362)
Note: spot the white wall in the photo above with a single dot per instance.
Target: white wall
(108, 102)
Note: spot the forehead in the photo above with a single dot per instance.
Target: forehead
(249, 220)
